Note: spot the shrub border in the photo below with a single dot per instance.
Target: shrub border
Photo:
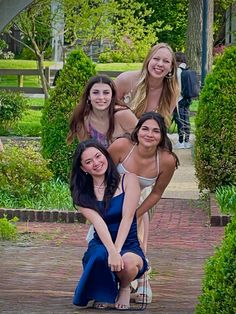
(217, 218)
(32, 215)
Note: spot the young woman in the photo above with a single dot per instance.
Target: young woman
(109, 201)
(155, 87)
(148, 154)
(95, 115)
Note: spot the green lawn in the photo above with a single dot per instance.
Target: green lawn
(29, 125)
(34, 81)
(21, 64)
(36, 102)
(118, 66)
(11, 80)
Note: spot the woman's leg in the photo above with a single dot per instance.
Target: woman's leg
(132, 264)
(144, 292)
(187, 119)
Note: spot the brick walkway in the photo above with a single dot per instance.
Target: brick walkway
(39, 272)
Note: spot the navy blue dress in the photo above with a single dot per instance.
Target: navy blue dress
(98, 282)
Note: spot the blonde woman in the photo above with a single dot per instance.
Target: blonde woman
(155, 87)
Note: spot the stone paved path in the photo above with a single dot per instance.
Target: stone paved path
(39, 272)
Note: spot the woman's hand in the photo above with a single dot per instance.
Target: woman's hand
(115, 261)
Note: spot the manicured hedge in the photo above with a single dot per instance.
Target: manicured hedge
(215, 146)
(56, 113)
(219, 284)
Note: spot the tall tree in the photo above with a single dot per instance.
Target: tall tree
(130, 33)
(194, 34)
(85, 20)
(220, 19)
(172, 18)
(34, 24)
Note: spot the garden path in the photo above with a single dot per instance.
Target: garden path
(40, 271)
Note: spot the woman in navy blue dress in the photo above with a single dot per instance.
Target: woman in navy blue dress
(114, 257)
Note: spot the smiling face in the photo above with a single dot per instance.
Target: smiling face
(100, 96)
(94, 162)
(160, 63)
(149, 133)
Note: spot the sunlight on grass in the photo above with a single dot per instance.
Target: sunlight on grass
(38, 102)
(118, 66)
(21, 64)
(30, 124)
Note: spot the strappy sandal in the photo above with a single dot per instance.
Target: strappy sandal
(143, 293)
(121, 305)
(100, 305)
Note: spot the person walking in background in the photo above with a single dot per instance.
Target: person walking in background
(99, 114)
(109, 201)
(155, 87)
(148, 154)
(181, 114)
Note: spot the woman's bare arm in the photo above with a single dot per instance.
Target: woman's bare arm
(114, 259)
(126, 120)
(132, 195)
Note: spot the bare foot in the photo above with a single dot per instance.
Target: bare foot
(122, 302)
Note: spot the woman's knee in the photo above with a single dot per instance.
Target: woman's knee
(132, 262)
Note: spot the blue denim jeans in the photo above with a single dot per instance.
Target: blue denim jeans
(181, 116)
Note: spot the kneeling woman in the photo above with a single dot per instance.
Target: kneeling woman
(114, 257)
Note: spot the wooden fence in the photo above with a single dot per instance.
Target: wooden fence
(49, 74)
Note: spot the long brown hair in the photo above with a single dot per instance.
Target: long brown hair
(165, 142)
(170, 89)
(84, 107)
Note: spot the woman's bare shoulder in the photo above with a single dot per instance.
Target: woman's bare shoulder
(121, 142)
(167, 159)
(131, 178)
(120, 146)
(125, 114)
(127, 77)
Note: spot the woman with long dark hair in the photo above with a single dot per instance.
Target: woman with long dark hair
(99, 114)
(147, 152)
(109, 201)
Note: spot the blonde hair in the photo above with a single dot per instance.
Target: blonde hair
(170, 91)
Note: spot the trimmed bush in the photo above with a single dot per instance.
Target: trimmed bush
(22, 170)
(219, 284)
(57, 111)
(215, 146)
(12, 107)
(8, 229)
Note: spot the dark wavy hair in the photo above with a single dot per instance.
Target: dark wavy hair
(81, 183)
(84, 107)
(165, 142)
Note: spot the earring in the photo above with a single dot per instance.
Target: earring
(169, 75)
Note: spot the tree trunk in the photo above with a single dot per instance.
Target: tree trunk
(194, 34)
(40, 61)
(44, 82)
(210, 39)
